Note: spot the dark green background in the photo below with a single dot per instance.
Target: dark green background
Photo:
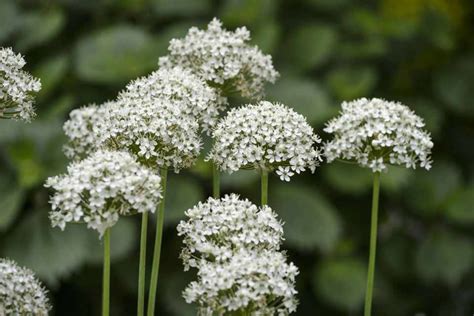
(420, 52)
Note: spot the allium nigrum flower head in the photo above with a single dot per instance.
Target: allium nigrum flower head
(157, 132)
(265, 136)
(82, 130)
(375, 133)
(21, 293)
(219, 227)
(250, 282)
(16, 87)
(191, 93)
(223, 58)
(100, 188)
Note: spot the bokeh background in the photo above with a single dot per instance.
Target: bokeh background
(420, 52)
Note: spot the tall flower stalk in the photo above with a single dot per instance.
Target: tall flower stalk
(375, 133)
(264, 187)
(155, 268)
(106, 275)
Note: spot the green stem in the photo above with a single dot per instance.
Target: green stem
(373, 245)
(264, 187)
(106, 275)
(215, 181)
(157, 251)
(142, 266)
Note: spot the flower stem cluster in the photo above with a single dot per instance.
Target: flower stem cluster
(375, 133)
(21, 293)
(235, 247)
(16, 87)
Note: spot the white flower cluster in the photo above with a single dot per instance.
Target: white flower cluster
(265, 136)
(101, 187)
(81, 130)
(375, 133)
(259, 283)
(156, 132)
(16, 87)
(193, 95)
(223, 58)
(217, 227)
(235, 247)
(21, 293)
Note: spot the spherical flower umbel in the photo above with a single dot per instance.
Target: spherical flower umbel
(375, 133)
(219, 227)
(157, 132)
(21, 293)
(191, 93)
(100, 188)
(223, 58)
(82, 130)
(265, 136)
(250, 282)
(16, 87)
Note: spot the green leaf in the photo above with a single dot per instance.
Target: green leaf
(51, 73)
(235, 13)
(23, 155)
(341, 283)
(115, 54)
(444, 256)
(11, 198)
(310, 46)
(181, 7)
(352, 82)
(39, 27)
(267, 36)
(310, 220)
(305, 96)
(123, 239)
(348, 178)
(53, 254)
(453, 86)
(429, 190)
(182, 194)
(9, 19)
(460, 208)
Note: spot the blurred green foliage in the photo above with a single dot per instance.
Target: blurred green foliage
(420, 52)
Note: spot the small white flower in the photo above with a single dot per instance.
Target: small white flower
(223, 58)
(265, 136)
(375, 133)
(21, 293)
(16, 87)
(100, 188)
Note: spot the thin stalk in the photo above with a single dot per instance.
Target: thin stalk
(216, 190)
(157, 251)
(106, 275)
(373, 245)
(142, 266)
(264, 187)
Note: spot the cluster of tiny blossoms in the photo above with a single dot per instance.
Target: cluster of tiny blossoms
(235, 247)
(216, 228)
(265, 136)
(82, 130)
(21, 293)
(375, 133)
(16, 87)
(259, 283)
(156, 132)
(101, 187)
(193, 95)
(223, 58)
